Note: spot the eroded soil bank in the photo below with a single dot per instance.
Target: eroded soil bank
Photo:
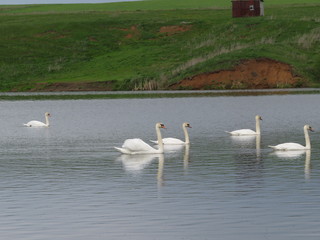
(249, 74)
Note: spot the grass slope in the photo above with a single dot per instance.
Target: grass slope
(123, 41)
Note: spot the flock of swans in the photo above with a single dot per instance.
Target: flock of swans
(138, 146)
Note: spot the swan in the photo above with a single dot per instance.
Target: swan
(296, 146)
(243, 132)
(175, 141)
(138, 146)
(35, 123)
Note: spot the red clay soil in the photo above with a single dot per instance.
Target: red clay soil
(171, 30)
(133, 31)
(250, 74)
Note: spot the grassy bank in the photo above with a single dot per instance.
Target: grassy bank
(150, 44)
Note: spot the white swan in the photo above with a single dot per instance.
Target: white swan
(296, 146)
(175, 141)
(138, 146)
(35, 123)
(243, 132)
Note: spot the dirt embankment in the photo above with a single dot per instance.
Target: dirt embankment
(250, 74)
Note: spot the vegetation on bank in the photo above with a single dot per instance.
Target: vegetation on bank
(150, 44)
(151, 94)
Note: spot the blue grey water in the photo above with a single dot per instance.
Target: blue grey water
(68, 182)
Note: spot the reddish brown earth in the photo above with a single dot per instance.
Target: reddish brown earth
(170, 30)
(133, 31)
(250, 74)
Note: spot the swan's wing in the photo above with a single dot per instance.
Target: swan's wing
(136, 145)
(288, 146)
(243, 132)
(35, 123)
(172, 141)
(123, 150)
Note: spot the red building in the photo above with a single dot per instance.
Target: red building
(247, 8)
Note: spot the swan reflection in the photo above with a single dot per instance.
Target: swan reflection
(243, 139)
(289, 154)
(258, 147)
(248, 141)
(307, 165)
(160, 179)
(173, 148)
(136, 163)
(295, 155)
(186, 157)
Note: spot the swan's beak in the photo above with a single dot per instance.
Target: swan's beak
(311, 129)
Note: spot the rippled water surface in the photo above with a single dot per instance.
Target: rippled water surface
(68, 182)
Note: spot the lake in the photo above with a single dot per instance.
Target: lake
(68, 182)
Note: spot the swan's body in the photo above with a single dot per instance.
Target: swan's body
(244, 132)
(35, 123)
(138, 146)
(176, 141)
(296, 146)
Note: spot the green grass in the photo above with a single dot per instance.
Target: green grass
(89, 42)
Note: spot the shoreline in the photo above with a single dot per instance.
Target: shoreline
(66, 95)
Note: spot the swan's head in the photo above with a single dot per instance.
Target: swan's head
(186, 125)
(258, 117)
(160, 125)
(308, 127)
(47, 114)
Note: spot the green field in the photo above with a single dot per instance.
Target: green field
(123, 42)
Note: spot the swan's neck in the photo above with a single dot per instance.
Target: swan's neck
(306, 136)
(47, 120)
(160, 142)
(186, 135)
(257, 126)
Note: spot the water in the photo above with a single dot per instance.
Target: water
(67, 181)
